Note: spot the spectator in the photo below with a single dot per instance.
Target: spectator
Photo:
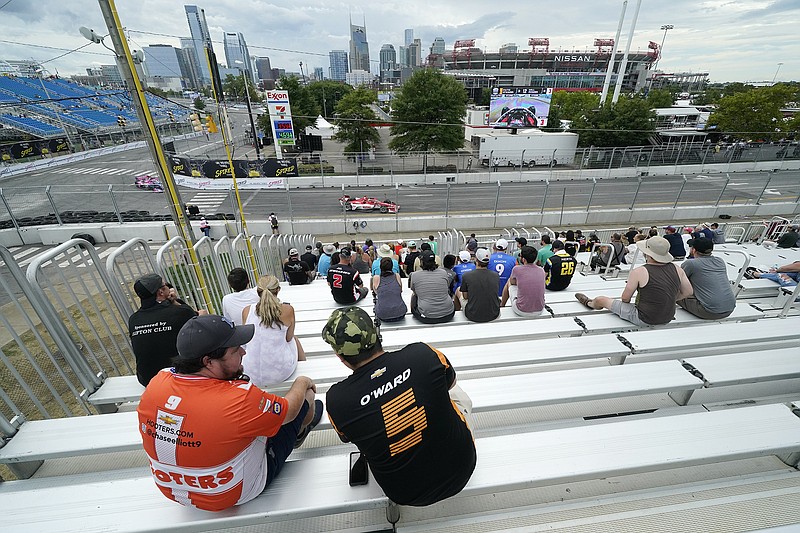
(790, 238)
(545, 251)
(676, 247)
(559, 268)
(659, 284)
(419, 387)
(591, 241)
(154, 327)
(388, 289)
(205, 227)
(344, 280)
(448, 262)
(310, 258)
(398, 248)
(653, 232)
(570, 244)
(521, 241)
(705, 230)
(719, 234)
(631, 234)
(479, 288)
(433, 244)
(432, 287)
(241, 297)
(297, 272)
(273, 222)
(632, 258)
(525, 287)
(411, 256)
(335, 258)
(273, 351)
(240, 434)
(325, 260)
(713, 297)
(502, 263)
(610, 255)
(422, 248)
(785, 276)
(473, 241)
(384, 250)
(464, 265)
(581, 240)
(685, 237)
(318, 250)
(361, 261)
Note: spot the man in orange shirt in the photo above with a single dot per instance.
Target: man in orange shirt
(214, 439)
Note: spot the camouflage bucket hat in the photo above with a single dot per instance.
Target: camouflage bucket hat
(350, 331)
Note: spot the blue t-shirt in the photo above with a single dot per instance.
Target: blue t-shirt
(323, 265)
(376, 267)
(502, 263)
(460, 269)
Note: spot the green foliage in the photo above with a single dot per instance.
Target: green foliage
(573, 105)
(353, 120)
(199, 103)
(304, 109)
(234, 88)
(485, 97)
(327, 93)
(554, 117)
(429, 113)
(710, 96)
(660, 98)
(629, 122)
(754, 114)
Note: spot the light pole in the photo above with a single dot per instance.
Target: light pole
(666, 28)
(40, 72)
(776, 73)
(249, 109)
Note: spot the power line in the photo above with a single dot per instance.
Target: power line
(57, 48)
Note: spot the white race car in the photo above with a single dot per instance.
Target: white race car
(367, 203)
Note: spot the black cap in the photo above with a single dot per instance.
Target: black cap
(522, 241)
(201, 335)
(147, 286)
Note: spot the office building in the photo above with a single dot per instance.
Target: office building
(338, 65)
(359, 48)
(190, 64)
(162, 60)
(319, 73)
(236, 50)
(409, 37)
(359, 78)
(263, 68)
(438, 46)
(388, 57)
(201, 39)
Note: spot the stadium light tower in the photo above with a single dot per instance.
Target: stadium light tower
(776, 72)
(666, 28)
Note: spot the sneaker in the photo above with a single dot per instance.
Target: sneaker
(582, 298)
(301, 437)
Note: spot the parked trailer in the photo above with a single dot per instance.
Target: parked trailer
(527, 147)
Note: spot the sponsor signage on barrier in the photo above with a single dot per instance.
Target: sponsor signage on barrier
(279, 168)
(227, 183)
(33, 148)
(221, 169)
(181, 165)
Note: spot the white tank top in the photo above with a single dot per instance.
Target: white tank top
(269, 359)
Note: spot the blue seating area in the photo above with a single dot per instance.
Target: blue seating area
(30, 125)
(21, 89)
(101, 117)
(68, 118)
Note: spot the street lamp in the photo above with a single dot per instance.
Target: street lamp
(776, 72)
(70, 144)
(249, 109)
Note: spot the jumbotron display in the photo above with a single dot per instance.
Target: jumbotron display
(519, 107)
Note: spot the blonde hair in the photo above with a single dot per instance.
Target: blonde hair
(268, 308)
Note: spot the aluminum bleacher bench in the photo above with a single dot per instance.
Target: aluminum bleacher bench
(742, 368)
(315, 487)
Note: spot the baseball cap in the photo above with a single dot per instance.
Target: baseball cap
(412, 244)
(482, 255)
(293, 252)
(701, 244)
(522, 241)
(464, 255)
(345, 252)
(501, 244)
(350, 331)
(309, 247)
(670, 228)
(147, 286)
(427, 258)
(201, 335)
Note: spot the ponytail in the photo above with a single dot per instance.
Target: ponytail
(268, 308)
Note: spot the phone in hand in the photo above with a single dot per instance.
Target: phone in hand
(358, 469)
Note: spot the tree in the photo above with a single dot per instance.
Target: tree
(327, 94)
(429, 114)
(304, 109)
(234, 87)
(573, 105)
(485, 97)
(660, 98)
(754, 114)
(199, 103)
(353, 121)
(554, 117)
(629, 122)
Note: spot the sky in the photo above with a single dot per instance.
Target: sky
(732, 40)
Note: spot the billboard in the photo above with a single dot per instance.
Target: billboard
(519, 107)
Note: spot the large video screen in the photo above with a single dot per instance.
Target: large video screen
(519, 107)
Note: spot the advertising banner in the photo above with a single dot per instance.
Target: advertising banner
(27, 149)
(181, 166)
(279, 168)
(57, 145)
(221, 169)
(519, 107)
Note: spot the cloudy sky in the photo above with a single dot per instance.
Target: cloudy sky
(733, 40)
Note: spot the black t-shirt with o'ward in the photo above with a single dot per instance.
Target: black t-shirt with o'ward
(343, 280)
(398, 412)
(296, 272)
(154, 333)
(560, 268)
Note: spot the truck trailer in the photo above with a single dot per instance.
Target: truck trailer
(527, 147)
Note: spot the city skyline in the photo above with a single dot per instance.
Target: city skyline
(742, 41)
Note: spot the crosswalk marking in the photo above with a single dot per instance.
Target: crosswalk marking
(208, 201)
(107, 171)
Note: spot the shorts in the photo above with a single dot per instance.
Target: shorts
(280, 446)
(693, 305)
(627, 311)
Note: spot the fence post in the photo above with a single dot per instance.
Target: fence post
(758, 201)
(397, 211)
(447, 207)
(521, 164)
(635, 196)
(611, 161)
(591, 194)
(10, 214)
(114, 203)
(496, 202)
(677, 198)
(544, 196)
(53, 205)
(727, 180)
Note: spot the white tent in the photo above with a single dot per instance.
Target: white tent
(323, 128)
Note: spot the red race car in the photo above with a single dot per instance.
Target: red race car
(366, 203)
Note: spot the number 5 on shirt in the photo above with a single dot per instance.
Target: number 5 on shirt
(401, 414)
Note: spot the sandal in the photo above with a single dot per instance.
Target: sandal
(582, 298)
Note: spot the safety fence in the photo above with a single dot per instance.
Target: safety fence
(64, 320)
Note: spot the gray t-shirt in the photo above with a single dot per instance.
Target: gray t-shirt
(709, 279)
(481, 286)
(432, 288)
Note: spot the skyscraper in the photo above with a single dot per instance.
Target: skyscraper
(191, 63)
(263, 68)
(359, 48)
(438, 46)
(388, 58)
(409, 37)
(200, 39)
(319, 73)
(236, 50)
(338, 65)
(161, 60)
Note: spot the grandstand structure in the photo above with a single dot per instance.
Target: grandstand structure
(583, 422)
(52, 107)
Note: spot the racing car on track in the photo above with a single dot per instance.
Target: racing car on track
(147, 182)
(366, 203)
